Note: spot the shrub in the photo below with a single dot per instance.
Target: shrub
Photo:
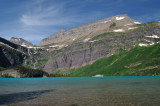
(112, 25)
(28, 72)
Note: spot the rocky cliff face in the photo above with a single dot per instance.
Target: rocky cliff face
(21, 42)
(11, 54)
(104, 45)
(89, 30)
(10, 57)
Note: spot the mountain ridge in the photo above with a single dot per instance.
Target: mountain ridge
(88, 30)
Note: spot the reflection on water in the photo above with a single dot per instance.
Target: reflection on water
(21, 96)
(105, 91)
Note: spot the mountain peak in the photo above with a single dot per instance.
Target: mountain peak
(21, 41)
(90, 30)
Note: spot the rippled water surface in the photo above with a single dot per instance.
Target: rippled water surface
(81, 91)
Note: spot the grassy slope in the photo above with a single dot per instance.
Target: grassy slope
(138, 61)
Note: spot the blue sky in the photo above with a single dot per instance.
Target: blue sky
(34, 20)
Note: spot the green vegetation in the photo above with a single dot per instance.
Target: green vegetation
(31, 49)
(42, 61)
(28, 72)
(37, 51)
(138, 61)
(106, 34)
(37, 54)
(112, 25)
(2, 68)
(57, 74)
(25, 65)
(145, 26)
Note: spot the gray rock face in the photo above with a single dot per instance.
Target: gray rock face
(21, 42)
(88, 30)
(11, 54)
(80, 54)
(10, 57)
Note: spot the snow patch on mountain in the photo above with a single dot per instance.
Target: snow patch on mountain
(142, 44)
(152, 43)
(35, 47)
(24, 45)
(119, 30)
(147, 40)
(120, 18)
(107, 21)
(153, 36)
(93, 41)
(137, 22)
(87, 39)
(132, 28)
(54, 46)
(129, 24)
(59, 46)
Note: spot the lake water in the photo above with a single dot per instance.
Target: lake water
(81, 91)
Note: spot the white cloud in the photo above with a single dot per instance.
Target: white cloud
(69, 12)
(44, 18)
(47, 15)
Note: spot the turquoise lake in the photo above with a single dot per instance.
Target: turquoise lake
(81, 91)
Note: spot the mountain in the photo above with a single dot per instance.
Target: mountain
(63, 38)
(83, 45)
(11, 54)
(82, 53)
(21, 42)
(14, 60)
